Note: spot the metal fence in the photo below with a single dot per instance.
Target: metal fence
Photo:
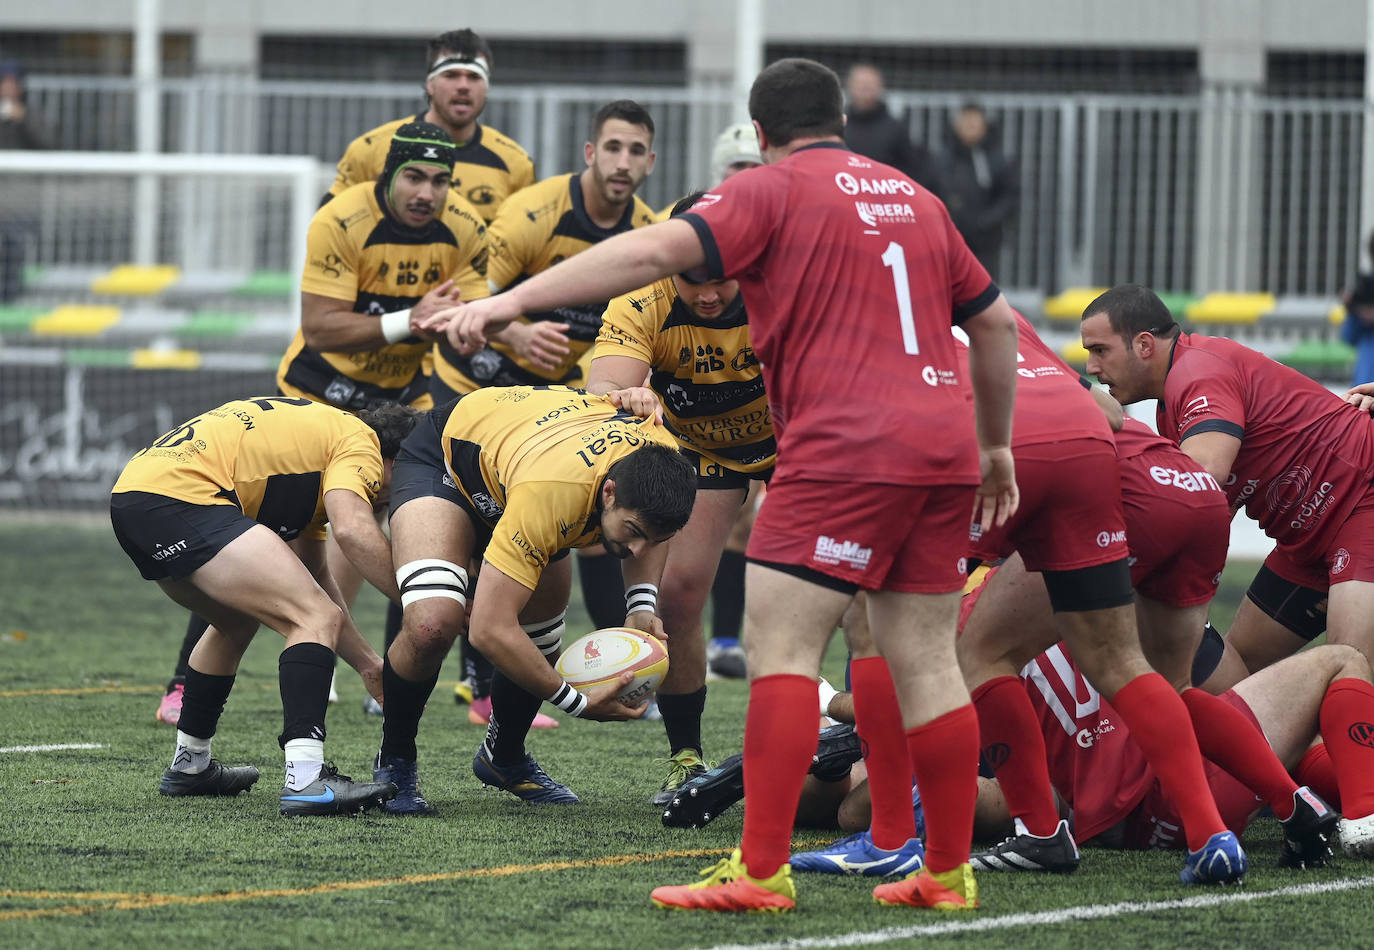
(1223, 190)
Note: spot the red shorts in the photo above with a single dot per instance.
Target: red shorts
(1177, 529)
(1070, 512)
(1349, 556)
(1155, 824)
(878, 537)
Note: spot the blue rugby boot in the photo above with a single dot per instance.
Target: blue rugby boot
(405, 775)
(1220, 861)
(857, 854)
(525, 780)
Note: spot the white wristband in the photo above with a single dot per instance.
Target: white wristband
(396, 326)
(641, 597)
(825, 693)
(569, 700)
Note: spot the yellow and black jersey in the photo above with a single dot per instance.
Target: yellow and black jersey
(704, 372)
(274, 457)
(358, 252)
(536, 229)
(490, 167)
(531, 460)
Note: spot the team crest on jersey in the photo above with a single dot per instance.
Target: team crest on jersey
(482, 195)
(484, 364)
(684, 356)
(1341, 561)
(744, 359)
(487, 506)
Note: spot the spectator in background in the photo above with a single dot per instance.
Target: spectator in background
(978, 183)
(1358, 329)
(18, 130)
(873, 131)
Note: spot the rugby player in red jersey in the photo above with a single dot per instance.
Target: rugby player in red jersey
(1071, 528)
(1176, 525)
(1298, 458)
(852, 275)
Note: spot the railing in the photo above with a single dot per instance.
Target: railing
(1221, 190)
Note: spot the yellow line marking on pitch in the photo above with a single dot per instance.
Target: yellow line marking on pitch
(144, 901)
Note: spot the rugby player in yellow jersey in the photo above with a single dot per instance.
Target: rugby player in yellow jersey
(692, 341)
(517, 476)
(489, 167)
(381, 257)
(542, 225)
(227, 514)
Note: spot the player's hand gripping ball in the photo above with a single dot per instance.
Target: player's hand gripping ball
(603, 655)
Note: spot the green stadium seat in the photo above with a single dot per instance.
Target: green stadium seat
(267, 283)
(1323, 359)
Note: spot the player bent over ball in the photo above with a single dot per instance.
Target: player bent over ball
(518, 476)
(227, 513)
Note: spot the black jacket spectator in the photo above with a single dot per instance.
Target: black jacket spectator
(881, 136)
(978, 183)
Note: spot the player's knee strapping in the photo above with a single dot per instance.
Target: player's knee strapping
(432, 577)
(548, 635)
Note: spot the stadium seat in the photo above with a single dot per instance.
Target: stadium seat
(267, 283)
(165, 359)
(1068, 304)
(76, 320)
(1321, 359)
(1240, 308)
(133, 280)
(1073, 353)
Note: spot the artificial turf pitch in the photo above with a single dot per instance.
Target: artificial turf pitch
(91, 855)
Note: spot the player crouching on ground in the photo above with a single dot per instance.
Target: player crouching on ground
(1310, 707)
(227, 513)
(518, 476)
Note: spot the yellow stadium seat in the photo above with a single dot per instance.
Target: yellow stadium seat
(1069, 304)
(165, 359)
(1073, 353)
(1230, 308)
(76, 320)
(133, 280)
(1337, 315)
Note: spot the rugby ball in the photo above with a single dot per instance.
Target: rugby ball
(603, 655)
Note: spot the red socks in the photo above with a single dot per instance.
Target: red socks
(1013, 745)
(1232, 741)
(944, 756)
(779, 742)
(1317, 772)
(1158, 721)
(878, 718)
(1347, 724)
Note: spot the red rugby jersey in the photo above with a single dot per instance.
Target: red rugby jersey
(1093, 763)
(1306, 456)
(1051, 403)
(852, 274)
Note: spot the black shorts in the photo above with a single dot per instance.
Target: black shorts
(712, 476)
(420, 472)
(171, 539)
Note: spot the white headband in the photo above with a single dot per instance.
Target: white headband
(473, 64)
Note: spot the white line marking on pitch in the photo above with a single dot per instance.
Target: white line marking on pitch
(1042, 918)
(54, 748)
